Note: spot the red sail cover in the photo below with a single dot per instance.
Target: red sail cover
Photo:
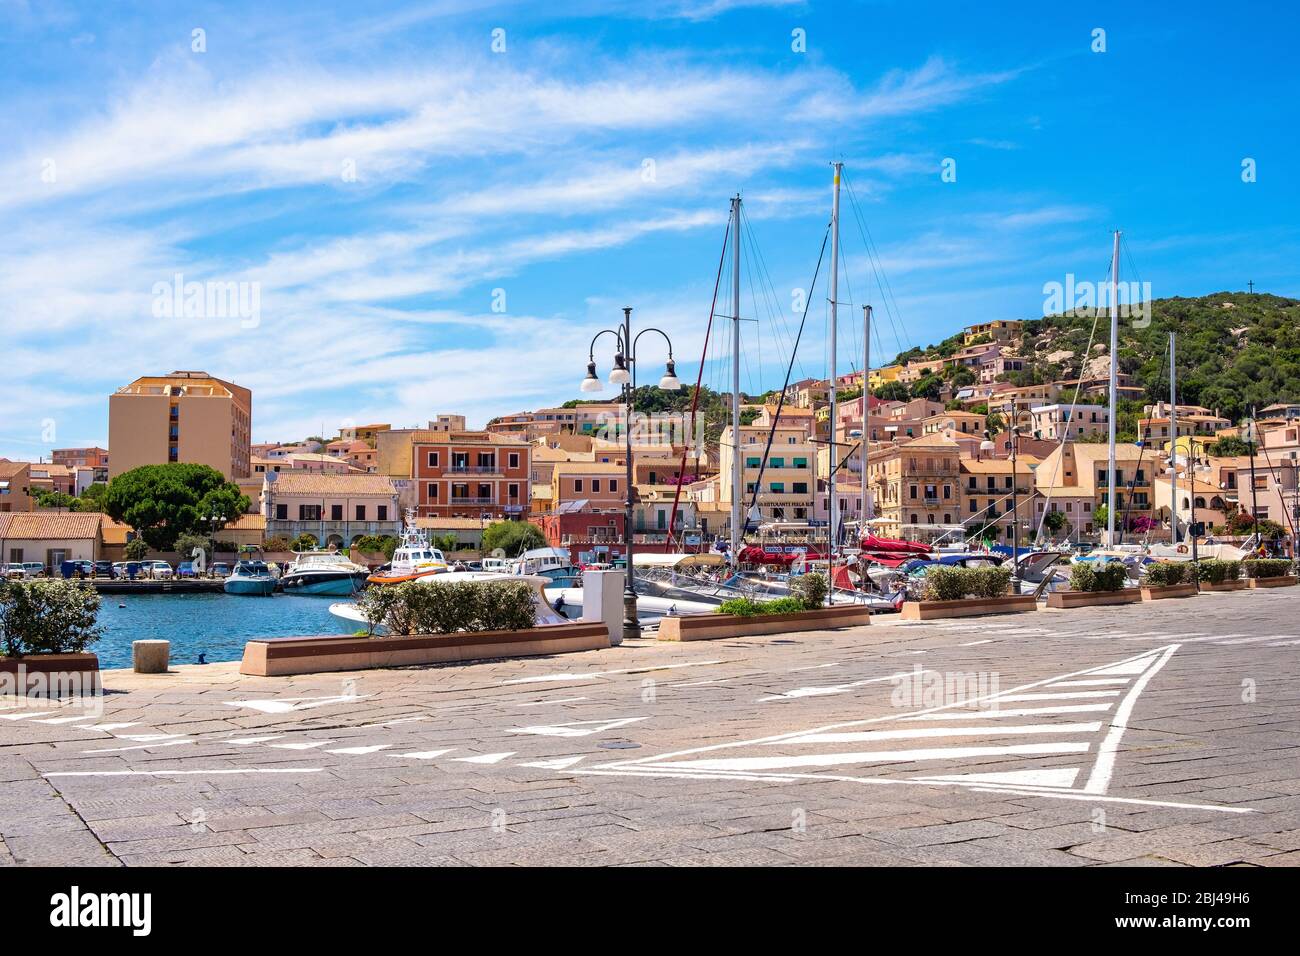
(893, 545)
(778, 554)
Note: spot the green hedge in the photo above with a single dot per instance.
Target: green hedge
(47, 617)
(1087, 576)
(433, 607)
(1266, 567)
(1214, 571)
(747, 607)
(1165, 573)
(955, 583)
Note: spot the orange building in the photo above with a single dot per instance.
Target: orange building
(185, 416)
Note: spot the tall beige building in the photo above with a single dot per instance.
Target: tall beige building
(185, 416)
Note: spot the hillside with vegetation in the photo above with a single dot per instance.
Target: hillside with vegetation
(1235, 351)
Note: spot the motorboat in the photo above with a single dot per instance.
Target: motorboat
(413, 559)
(250, 577)
(546, 613)
(552, 563)
(323, 572)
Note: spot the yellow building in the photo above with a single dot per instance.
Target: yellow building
(188, 417)
(1001, 330)
(883, 376)
(916, 487)
(786, 492)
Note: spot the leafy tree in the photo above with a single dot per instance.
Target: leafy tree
(513, 537)
(1055, 521)
(187, 544)
(927, 386)
(1100, 515)
(893, 392)
(277, 542)
(136, 549)
(376, 543)
(1228, 447)
(55, 499)
(163, 502)
(304, 542)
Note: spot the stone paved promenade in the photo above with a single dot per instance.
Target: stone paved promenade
(1157, 734)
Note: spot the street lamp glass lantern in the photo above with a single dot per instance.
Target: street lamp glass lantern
(620, 374)
(591, 383)
(670, 383)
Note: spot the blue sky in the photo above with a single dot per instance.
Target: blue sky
(379, 172)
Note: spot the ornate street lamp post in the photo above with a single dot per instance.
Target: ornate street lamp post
(624, 374)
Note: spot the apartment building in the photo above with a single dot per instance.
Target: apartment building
(916, 487)
(334, 509)
(785, 488)
(470, 474)
(95, 457)
(1082, 466)
(987, 493)
(1001, 330)
(954, 423)
(1054, 422)
(187, 416)
(15, 479)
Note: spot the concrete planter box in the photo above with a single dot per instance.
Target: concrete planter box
(972, 607)
(1068, 599)
(711, 627)
(1168, 591)
(1282, 581)
(1238, 585)
(282, 656)
(74, 673)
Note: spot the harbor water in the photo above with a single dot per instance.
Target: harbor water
(216, 625)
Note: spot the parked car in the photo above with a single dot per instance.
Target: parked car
(77, 569)
(220, 570)
(186, 570)
(158, 570)
(34, 568)
(14, 571)
(103, 569)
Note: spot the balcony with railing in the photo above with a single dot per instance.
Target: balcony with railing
(472, 500)
(467, 469)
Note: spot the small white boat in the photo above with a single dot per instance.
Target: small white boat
(414, 558)
(250, 577)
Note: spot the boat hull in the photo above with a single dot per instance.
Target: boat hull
(253, 586)
(331, 585)
(383, 579)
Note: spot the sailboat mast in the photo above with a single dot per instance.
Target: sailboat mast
(1114, 392)
(866, 413)
(834, 510)
(1173, 446)
(736, 486)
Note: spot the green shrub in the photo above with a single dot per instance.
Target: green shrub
(47, 617)
(955, 583)
(1088, 576)
(434, 607)
(810, 589)
(1165, 573)
(747, 607)
(785, 605)
(1213, 571)
(135, 549)
(1266, 567)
